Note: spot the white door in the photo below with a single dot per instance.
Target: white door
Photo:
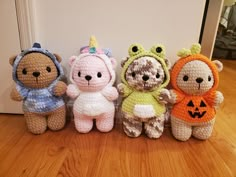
(9, 45)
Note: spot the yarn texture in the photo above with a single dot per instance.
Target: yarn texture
(92, 76)
(144, 77)
(37, 72)
(195, 80)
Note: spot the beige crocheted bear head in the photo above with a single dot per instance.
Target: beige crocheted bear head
(195, 74)
(145, 70)
(36, 69)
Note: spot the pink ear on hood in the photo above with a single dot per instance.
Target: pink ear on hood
(71, 60)
(113, 62)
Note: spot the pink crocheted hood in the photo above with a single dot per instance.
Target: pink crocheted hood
(93, 52)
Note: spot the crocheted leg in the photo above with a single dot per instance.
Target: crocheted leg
(155, 127)
(204, 132)
(106, 121)
(57, 119)
(132, 127)
(36, 123)
(180, 130)
(83, 124)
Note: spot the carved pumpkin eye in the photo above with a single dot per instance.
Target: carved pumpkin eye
(79, 74)
(24, 71)
(185, 78)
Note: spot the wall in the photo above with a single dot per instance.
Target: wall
(64, 26)
(9, 46)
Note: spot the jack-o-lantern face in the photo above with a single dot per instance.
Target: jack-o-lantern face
(197, 110)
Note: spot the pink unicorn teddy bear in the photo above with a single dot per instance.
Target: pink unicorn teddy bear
(92, 75)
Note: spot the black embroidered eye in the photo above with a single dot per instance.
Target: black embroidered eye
(79, 73)
(24, 71)
(133, 74)
(185, 78)
(48, 69)
(158, 49)
(158, 75)
(209, 78)
(99, 74)
(134, 48)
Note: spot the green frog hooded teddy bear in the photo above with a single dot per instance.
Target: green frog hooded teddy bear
(144, 77)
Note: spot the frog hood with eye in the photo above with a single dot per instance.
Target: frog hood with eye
(136, 51)
(36, 49)
(188, 55)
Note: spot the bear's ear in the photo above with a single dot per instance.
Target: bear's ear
(123, 61)
(168, 63)
(113, 62)
(219, 65)
(58, 57)
(12, 59)
(71, 60)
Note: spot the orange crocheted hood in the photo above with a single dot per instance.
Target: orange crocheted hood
(182, 61)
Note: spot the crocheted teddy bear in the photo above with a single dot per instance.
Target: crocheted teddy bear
(194, 79)
(144, 76)
(37, 72)
(92, 75)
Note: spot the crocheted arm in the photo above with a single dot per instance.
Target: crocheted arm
(72, 91)
(175, 97)
(59, 89)
(15, 95)
(124, 90)
(162, 95)
(214, 99)
(110, 93)
(19, 93)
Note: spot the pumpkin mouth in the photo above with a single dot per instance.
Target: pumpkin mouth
(196, 114)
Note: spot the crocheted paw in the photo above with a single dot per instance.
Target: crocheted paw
(121, 88)
(164, 96)
(15, 95)
(72, 91)
(173, 97)
(219, 99)
(60, 88)
(110, 93)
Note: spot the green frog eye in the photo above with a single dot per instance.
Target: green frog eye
(135, 49)
(159, 50)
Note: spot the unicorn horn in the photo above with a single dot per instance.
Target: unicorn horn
(93, 42)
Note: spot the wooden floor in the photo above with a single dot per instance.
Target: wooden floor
(68, 153)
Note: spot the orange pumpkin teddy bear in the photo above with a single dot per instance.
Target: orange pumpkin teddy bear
(194, 79)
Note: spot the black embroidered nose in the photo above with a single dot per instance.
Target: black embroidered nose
(36, 74)
(145, 77)
(199, 80)
(88, 78)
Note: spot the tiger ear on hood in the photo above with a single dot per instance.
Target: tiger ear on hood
(12, 59)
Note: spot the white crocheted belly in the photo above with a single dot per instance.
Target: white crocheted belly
(92, 104)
